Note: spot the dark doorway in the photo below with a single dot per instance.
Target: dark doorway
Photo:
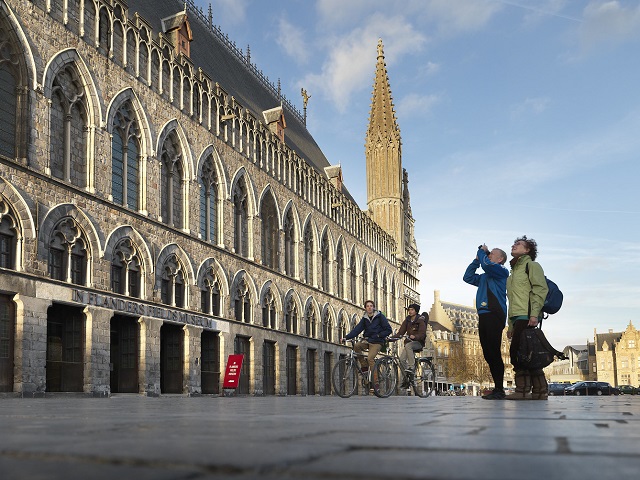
(65, 349)
(242, 345)
(124, 354)
(171, 358)
(210, 365)
(292, 369)
(327, 372)
(311, 372)
(269, 368)
(7, 339)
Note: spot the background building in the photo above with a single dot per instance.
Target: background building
(162, 206)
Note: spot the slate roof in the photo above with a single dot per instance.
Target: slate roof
(610, 338)
(211, 53)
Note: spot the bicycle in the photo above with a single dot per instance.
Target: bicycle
(422, 382)
(345, 373)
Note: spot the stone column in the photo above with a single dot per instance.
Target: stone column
(97, 354)
(149, 364)
(192, 359)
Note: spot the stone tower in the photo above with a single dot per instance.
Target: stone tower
(388, 198)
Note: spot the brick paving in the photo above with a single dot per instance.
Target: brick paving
(178, 437)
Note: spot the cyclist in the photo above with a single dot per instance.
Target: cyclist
(415, 328)
(376, 329)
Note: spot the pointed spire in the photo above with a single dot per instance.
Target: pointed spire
(382, 117)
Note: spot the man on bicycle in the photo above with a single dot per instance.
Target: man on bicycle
(376, 329)
(415, 329)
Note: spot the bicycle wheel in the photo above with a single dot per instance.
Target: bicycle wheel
(344, 377)
(424, 381)
(385, 377)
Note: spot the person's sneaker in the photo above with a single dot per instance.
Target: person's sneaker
(495, 395)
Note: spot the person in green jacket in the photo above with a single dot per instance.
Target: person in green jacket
(526, 292)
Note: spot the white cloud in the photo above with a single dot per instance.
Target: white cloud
(609, 23)
(350, 62)
(460, 16)
(291, 39)
(530, 105)
(229, 12)
(414, 103)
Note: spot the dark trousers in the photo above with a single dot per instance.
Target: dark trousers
(490, 329)
(518, 328)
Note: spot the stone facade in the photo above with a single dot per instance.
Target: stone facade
(614, 357)
(136, 185)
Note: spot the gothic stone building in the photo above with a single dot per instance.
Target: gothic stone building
(162, 206)
(614, 357)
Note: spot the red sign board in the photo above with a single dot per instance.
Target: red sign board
(232, 373)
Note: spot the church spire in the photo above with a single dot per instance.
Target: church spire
(384, 158)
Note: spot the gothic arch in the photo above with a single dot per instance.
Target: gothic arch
(314, 231)
(242, 173)
(219, 270)
(174, 249)
(296, 218)
(270, 285)
(221, 173)
(127, 94)
(327, 231)
(127, 231)
(269, 191)
(57, 213)
(27, 56)
(20, 207)
(167, 128)
(292, 294)
(60, 61)
(312, 304)
(251, 285)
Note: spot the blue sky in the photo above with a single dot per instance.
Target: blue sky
(517, 117)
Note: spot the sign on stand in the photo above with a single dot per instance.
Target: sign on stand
(232, 372)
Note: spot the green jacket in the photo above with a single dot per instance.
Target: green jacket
(526, 294)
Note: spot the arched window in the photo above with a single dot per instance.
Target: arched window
(324, 263)
(343, 328)
(8, 237)
(210, 299)
(327, 333)
(291, 316)
(289, 244)
(353, 277)
(240, 219)
(269, 310)
(394, 306)
(383, 299)
(310, 321)
(67, 253)
(125, 269)
(173, 291)
(374, 287)
(242, 302)
(308, 255)
(209, 201)
(125, 157)
(365, 281)
(172, 181)
(340, 270)
(68, 125)
(8, 97)
(270, 233)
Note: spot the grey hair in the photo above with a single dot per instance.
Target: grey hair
(502, 254)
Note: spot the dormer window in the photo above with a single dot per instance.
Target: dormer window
(178, 29)
(274, 119)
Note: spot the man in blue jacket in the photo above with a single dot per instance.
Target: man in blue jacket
(376, 329)
(491, 303)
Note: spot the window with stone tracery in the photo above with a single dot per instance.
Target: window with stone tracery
(383, 299)
(327, 333)
(269, 310)
(324, 263)
(310, 322)
(68, 127)
(171, 184)
(173, 288)
(374, 287)
(340, 270)
(241, 219)
(308, 255)
(353, 280)
(242, 302)
(68, 253)
(365, 281)
(270, 233)
(9, 75)
(210, 293)
(125, 269)
(289, 244)
(8, 237)
(125, 157)
(291, 316)
(209, 201)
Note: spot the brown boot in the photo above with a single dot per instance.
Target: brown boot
(540, 386)
(523, 387)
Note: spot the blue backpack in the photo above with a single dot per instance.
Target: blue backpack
(553, 301)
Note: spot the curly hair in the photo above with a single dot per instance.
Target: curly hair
(531, 244)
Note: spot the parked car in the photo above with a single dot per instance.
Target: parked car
(628, 390)
(557, 388)
(591, 388)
